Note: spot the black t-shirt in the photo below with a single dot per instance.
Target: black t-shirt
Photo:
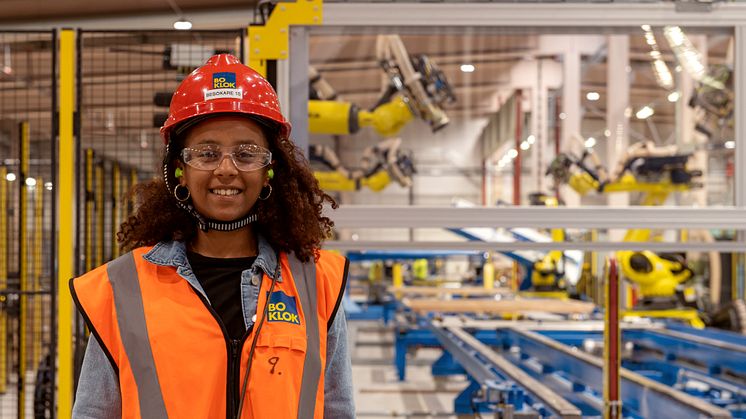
(221, 280)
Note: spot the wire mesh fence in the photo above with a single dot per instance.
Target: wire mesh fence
(125, 82)
(27, 169)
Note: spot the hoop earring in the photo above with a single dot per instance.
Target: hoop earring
(268, 193)
(177, 193)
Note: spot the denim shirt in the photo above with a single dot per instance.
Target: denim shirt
(98, 394)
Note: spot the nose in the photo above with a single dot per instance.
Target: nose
(227, 167)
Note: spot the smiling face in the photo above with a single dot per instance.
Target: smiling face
(226, 193)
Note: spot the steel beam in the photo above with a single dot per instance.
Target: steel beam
(716, 355)
(392, 216)
(594, 16)
(646, 397)
(472, 355)
(361, 245)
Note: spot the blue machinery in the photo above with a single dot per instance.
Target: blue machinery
(530, 369)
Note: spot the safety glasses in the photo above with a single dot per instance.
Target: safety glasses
(246, 157)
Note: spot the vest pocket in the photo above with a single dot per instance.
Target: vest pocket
(276, 375)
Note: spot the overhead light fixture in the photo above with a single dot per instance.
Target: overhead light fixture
(512, 153)
(525, 145)
(674, 96)
(182, 25)
(10, 177)
(531, 139)
(660, 69)
(593, 96)
(689, 57)
(590, 142)
(730, 145)
(607, 133)
(645, 112)
(30, 182)
(48, 185)
(467, 68)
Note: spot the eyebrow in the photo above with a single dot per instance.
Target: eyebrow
(241, 142)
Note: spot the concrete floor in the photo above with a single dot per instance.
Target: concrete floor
(378, 391)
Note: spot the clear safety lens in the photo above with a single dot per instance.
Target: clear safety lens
(246, 157)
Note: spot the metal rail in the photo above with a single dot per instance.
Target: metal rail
(470, 352)
(645, 396)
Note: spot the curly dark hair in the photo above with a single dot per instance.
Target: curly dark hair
(290, 219)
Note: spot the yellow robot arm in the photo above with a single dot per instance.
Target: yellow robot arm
(342, 118)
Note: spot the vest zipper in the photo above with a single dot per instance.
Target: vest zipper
(234, 365)
(233, 347)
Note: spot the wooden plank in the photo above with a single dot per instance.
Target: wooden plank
(442, 291)
(490, 306)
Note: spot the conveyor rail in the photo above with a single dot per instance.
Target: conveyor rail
(715, 354)
(472, 354)
(646, 397)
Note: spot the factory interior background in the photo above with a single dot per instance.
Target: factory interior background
(543, 203)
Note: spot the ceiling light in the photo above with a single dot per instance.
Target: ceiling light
(10, 177)
(593, 96)
(590, 142)
(660, 69)
(182, 25)
(730, 145)
(467, 68)
(562, 115)
(48, 185)
(645, 112)
(531, 139)
(607, 133)
(30, 182)
(674, 96)
(525, 145)
(512, 153)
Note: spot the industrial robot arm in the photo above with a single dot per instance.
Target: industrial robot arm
(380, 165)
(416, 88)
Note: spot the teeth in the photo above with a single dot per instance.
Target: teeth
(226, 192)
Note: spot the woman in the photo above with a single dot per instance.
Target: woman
(225, 307)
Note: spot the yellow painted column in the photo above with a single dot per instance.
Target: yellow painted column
(488, 274)
(65, 223)
(23, 235)
(116, 211)
(38, 249)
(3, 279)
(89, 202)
(99, 193)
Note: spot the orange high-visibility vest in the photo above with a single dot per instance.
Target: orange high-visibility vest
(173, 359)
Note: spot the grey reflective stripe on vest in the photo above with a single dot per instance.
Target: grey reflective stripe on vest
(133, 331)
(304, 276)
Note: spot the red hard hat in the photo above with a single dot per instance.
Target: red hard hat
(224, 85)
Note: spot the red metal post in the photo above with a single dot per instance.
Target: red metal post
(518, 138)
(612, 345)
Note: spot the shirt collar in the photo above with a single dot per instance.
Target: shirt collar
(173, 253)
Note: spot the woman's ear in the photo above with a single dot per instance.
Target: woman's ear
(179, 172)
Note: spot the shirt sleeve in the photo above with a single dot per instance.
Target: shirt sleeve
(98, 395)
(338, 393)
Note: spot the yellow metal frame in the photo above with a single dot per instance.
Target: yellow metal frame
(3, 279)
(99, 198)
(116, 210)
(557, 295)
(65, 223)
(690, 316)
(270, 41)
(37, 271)
(23, 236)
(89, 203)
